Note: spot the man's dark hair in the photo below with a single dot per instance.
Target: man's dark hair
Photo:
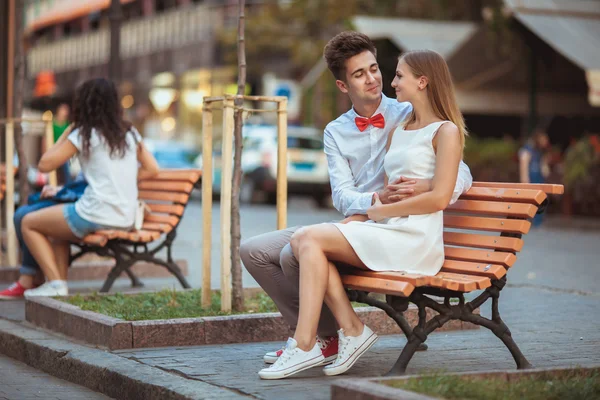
(344, 46)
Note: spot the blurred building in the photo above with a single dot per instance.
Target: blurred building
(169, 54)
(537, 63)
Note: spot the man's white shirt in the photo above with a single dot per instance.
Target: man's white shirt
(355, 158)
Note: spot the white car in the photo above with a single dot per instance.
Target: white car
(306, 170)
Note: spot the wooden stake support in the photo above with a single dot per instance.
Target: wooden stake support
(226, 182)
(9, 198)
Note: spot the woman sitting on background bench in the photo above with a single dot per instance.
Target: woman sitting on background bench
(108, 149)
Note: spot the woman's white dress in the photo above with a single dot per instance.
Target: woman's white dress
(415, 243)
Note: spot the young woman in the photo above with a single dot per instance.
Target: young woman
(109, 150)
(404, 236)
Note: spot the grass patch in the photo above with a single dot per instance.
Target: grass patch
(166, 304)
(578, 384)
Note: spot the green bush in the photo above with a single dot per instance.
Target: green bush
(492, 159)
(582, 175)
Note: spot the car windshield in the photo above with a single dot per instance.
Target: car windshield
(304, 143)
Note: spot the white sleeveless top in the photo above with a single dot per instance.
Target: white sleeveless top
(413, 244)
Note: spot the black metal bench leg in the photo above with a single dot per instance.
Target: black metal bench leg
(120, 266)
(499, 328)
(135, 281)
(407, 354)
(175, 270)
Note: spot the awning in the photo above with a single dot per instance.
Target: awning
(571, 28)
(443, 37)
(41, 14)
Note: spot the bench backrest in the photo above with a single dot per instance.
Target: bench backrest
(483, 229)
(482, 234)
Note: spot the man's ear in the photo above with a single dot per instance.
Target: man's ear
(342, 86)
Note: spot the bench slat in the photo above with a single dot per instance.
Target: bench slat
(141, 236)
(505, 194)
(487, 224)
(189, 175)
(174, 209)
(161, 218)
(482, 256)
(414, 279)
(376, 285)
(180, 198)
(94, 239)
(483, 241)
(165, 186)
(155, 226)
(463, 283)
(545, 187)
(495, 208)
(491, 271)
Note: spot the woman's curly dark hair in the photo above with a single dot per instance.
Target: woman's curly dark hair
(97, 105)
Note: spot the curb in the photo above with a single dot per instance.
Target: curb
(117, 334)
(99, 269)
(99, 370)
(375, 389)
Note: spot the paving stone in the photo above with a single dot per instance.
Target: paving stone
(546, 325)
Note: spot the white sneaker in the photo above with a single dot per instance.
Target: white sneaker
(292, 361)
(328, 345)
(49, 289)
(350, 349)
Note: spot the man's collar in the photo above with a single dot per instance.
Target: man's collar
(380, 109)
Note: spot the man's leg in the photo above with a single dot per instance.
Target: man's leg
(260, 256)
(291, 268)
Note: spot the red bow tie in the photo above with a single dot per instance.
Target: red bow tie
(377, 121)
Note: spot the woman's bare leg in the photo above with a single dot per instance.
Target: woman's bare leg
(320, 281)
(37, 228)
(62, 250)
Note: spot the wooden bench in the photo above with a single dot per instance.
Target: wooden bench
(167, 195)
(482, 233)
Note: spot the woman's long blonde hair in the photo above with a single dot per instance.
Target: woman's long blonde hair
(440, 88)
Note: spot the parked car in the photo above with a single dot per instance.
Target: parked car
(307, 173)
(172, 154)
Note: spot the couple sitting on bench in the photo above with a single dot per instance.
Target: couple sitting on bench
(109, 151)
(394, 166)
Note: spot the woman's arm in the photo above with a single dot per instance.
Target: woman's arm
(148, 165)
(61, 152)
(448, 155)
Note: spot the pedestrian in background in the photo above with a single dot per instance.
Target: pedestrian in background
(533, 162)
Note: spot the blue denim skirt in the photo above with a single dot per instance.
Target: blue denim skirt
(79, 226)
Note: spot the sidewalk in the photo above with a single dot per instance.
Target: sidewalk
(21, 382)
(552, 327)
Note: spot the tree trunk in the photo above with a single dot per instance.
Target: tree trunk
(236, 265)
(18, 100)
(114, 63)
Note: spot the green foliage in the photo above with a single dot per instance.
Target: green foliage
(165, 304)
(582, 174)
(578, 384)
(579, 159)
(492, 159)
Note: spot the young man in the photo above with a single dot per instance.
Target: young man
(355, 145)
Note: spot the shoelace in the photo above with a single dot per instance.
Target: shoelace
(13, 286)
(343, 345)
(283, 358)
